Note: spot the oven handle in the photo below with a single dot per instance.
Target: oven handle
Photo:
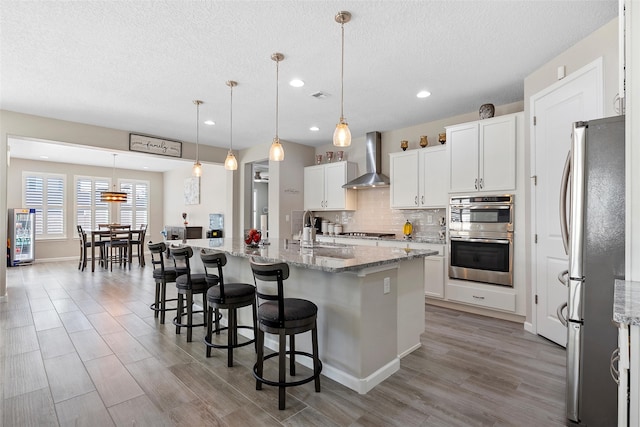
(464, 239)
(481, 206)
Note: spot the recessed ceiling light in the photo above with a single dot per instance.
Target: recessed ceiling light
(423, 94)
(145, 167)
(314, 128)
(44, 157)
(209, 122)
(296, 83)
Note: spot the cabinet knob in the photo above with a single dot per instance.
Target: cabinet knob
(416, 201)
(475, 184)
(481, 183)
(422, 199)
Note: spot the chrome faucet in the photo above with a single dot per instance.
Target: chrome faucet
(308, 232)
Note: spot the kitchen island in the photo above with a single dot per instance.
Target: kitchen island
(370, 301)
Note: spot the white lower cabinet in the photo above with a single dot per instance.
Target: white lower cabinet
(629, 375)
(434, 276)
(482, 295)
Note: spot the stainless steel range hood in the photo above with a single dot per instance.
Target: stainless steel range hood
(372, 177)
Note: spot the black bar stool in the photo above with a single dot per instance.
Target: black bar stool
(283, 317)
(226, 296)
(188, 284)
(162, 275)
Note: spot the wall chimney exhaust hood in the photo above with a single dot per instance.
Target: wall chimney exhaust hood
(372, 177)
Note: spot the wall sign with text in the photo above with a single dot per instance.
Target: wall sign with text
(153, 145)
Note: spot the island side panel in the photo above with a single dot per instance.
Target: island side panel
(411, 311)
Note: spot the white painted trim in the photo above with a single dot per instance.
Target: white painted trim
(528, 326)
(410, 350)
(360, 385)
(596, 65)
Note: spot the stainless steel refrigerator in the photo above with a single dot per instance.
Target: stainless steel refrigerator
(594, 240)
(21, 236)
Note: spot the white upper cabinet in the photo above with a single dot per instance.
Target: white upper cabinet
(483, 155)
(419, 178)
(323, 187)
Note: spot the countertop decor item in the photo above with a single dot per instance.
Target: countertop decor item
(404, 144)
(487, 111)
(329, 156)
(442, 138)
(424, 141)
(407, 229)
(339, 155)
(318, 159)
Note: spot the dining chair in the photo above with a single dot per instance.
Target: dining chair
(85, 245)
(118, 246)
(137, 242)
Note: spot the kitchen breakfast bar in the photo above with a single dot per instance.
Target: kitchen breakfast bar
(370, 301)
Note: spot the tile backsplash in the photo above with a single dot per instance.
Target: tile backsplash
(375, 215)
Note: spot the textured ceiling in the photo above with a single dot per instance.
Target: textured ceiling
(137, 65)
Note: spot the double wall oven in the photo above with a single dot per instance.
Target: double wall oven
(481, 239)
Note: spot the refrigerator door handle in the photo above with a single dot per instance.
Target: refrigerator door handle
(563, 277)
(564, 187)
(615, 373)
(574, 344)
(577, 196)
(561, 318)
(574, 307)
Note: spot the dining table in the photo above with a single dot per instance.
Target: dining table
(105, 232)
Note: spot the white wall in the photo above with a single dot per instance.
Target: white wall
(213, 198)
(601, 43)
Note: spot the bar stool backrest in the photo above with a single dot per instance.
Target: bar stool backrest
(211, 261)
(157, 251)
(264, 275)
(181, 258)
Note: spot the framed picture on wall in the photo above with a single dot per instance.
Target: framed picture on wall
(192, 191)
(153, 145)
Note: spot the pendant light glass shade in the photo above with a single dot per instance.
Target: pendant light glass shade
(113, 195)
(342, 134)
(276, 152)
(197, 166)
(230, 163)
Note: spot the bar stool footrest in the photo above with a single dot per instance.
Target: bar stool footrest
(185, 325)
(154, 308)
(242, 344)
(289, 383)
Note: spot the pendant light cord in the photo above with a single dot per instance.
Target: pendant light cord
(277, 86)
(231, 120)
(197, 130)
(342, 77)
(113, 173)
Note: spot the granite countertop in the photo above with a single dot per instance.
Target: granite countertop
(332, 258)
(626, 302)
(431, 240)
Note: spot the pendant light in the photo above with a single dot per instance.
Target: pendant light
(276, 152)
(230, 162)
(342, 134)
(113, 195)
(197, 166)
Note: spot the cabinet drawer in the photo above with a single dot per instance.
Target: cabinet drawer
(501, 300)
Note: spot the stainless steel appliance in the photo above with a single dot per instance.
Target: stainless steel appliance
(481, 239)
(21, 236)
(594, 182)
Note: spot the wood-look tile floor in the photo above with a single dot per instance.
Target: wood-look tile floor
(83, 349)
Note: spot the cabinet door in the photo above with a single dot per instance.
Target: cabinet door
(463, 160)
(335, 176)
(404, 179)
(433, 175)
(497, 162)
(314, 187)
(434, 276)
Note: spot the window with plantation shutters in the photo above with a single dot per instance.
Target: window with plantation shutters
(90, 211)
(135, 211)
(46, 194)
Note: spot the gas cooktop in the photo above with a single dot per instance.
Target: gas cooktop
(366, 234)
